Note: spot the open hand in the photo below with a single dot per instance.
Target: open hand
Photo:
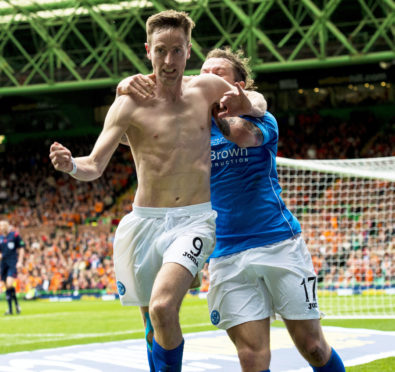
(139, 86)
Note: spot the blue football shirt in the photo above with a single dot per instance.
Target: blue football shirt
(246, 193)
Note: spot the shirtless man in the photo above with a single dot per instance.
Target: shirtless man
(165, 241)
(262, 266)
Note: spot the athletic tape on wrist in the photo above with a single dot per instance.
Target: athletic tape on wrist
(74, 170)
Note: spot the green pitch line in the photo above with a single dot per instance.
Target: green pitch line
(53, 324)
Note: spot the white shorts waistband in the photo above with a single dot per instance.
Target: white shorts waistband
(187, 210)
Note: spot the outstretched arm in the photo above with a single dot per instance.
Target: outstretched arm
(88, 168)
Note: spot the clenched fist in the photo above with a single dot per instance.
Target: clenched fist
(60, 157)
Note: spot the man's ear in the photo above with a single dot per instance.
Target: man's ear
(189, 50)
(242, 84)
(147, 48)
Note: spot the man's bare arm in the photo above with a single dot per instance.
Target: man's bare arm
(21, 255)
(92, 166)
(258, 102)
(232, 99)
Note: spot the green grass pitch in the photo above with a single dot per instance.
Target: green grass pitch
(54, 324)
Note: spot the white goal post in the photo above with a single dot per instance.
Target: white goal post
(347, 212)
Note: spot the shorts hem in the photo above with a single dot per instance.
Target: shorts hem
(133, 303)
(184, 266)
(299, 317)
(239, 321)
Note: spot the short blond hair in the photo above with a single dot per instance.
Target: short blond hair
(169, 19)
(239, 62)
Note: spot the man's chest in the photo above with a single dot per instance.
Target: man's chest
(7, 244)
(174, 124)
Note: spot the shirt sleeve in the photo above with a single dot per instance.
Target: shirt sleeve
(19, 243)
(268, 126)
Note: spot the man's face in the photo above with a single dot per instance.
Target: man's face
(221, 67)
(168, 51)
(4, 227)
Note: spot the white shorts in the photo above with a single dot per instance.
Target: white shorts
(147, 238)
(259, 282)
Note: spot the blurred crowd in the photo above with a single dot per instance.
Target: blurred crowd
(351, 235)
(67, 261)
(33, 194)
(312, 136)
(68, 226)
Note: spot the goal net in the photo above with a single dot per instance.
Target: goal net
(346, 209)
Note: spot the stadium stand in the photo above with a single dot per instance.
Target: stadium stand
(32, 194)
(68, 225)
(312, 136)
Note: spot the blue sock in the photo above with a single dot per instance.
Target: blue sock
(266, 370)
(167, 360)
(148, 329)
(150, 359)
(335, 364)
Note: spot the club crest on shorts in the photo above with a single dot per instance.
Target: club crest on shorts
(215, 317)
(121, 288)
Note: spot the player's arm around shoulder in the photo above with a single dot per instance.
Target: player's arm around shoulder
(233, 100)
(212, 87)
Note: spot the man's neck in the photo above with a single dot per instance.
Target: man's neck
(170, 92)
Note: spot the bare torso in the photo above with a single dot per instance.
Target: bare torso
(170, 142)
